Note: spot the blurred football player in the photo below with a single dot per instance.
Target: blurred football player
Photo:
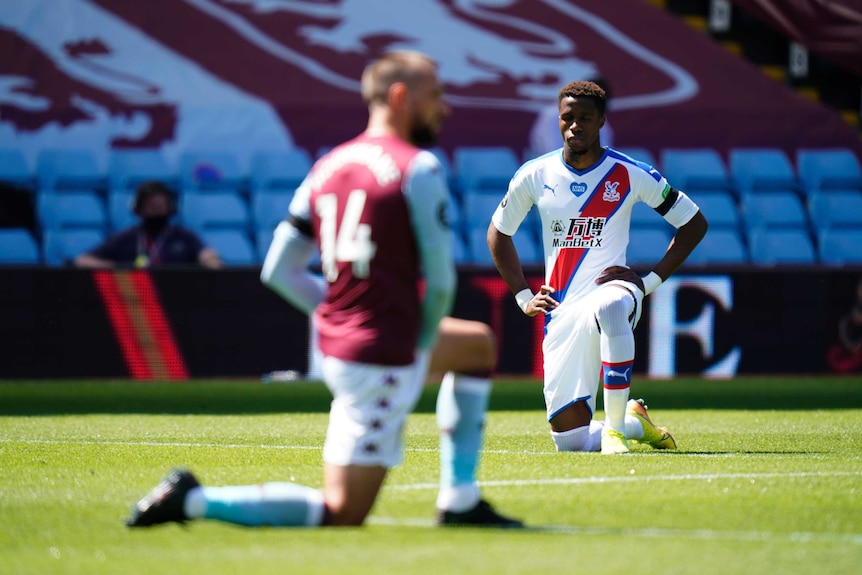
(374, 207)
(591, 300)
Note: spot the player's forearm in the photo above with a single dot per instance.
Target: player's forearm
(88, 261)
(686, 239)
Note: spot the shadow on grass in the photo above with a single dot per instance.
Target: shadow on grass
(249, 396)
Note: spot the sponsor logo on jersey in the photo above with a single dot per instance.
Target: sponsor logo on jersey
(505, 201)
(443, 215)
(666, 191)
(553, 190)
(578, 188)
(581, 233)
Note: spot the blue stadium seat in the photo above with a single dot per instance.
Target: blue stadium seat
(644, 216)
(210, 170)
(61, 246)
(214, 209)
(460, 251)
(119, 205)
(755, 169)
(646, 245)
(695, 168)
(821, 168)
(233, 245)
(71, 209)
(529, 249)
(269, 207)
(128, 168)
(780, 209)
(782, 246)
(14, 170)
(641, 155)
(485, 167)
(478, 207)
(719, 208)
(262, 240)
(62, 169)
(835, 209)
(18, 247)
(477, 244)
(279, 169)
(840, 246)
(720, 246)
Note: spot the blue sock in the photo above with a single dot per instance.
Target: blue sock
(268, 504)
(461, 406)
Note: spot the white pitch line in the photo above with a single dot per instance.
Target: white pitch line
(658, 533)
(637, 478)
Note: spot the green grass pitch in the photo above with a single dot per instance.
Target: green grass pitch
(767, 480)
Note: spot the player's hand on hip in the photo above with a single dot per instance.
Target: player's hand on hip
(542, 302)
(620, 273)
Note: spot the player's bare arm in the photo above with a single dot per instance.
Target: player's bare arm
(683, 243)
(508, 263)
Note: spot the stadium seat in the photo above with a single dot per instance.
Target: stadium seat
(128, 168)
(119, 206)
(783, 246)
(61, 169)
(720, 246)
(71, 209)
(210, 170)
(840, 246)
(279, 169)
(719, 208)
(478, 207)
(61, 246)
(780, 209)
(646, 245)
(835, 209)
(233, 245)
(641, 155)
(460, 252)
(530, 252)
(822, 168)
(489, 168)
(18, 247)
(754, 169)
(262, 240)
(215, 209)
(269, 207)
(644, 216)
(14, 170)
(695, 168)
(477, 243)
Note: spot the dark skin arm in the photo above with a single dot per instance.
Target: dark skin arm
(683, 243)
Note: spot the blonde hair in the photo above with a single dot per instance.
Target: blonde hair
(408, 67)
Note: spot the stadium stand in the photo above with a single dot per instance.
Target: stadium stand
(61, 246)
(216, 209)
(233, 245)
(779, 209)
(129, 168)
(840, 246)
(835, 209)
(19, 248)
(828, 168)
(720, 246)
(210, 169)
(695, 168)
(269, 207)
(70, 209)
(641, 155)
(119, 209)
(62, 169)
(14, 170)
(771, 247)
(646, 245)
(484, 168)
(282, 170)
(757, 169)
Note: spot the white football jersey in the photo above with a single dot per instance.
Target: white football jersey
(585, 215)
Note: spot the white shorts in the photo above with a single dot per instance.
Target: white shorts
(571, 348)
(369, 408)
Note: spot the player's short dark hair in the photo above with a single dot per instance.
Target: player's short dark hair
(585, 89)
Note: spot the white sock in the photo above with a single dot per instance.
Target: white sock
(458, 498)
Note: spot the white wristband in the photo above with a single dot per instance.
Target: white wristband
(523, 297)
(651, 281)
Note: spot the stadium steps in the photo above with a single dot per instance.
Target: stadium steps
(755, 41)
